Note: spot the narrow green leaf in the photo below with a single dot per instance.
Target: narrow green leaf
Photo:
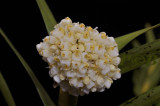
(6, 92)
(122, 41)
(138, 56)
(47, 15)
(147, 76)
(66, 100)
(42, 93)
(150, 37)
(147, 99)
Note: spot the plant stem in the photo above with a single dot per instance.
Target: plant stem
(66, 100)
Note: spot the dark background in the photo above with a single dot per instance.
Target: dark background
(23, 24)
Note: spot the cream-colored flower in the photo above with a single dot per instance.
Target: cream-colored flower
(81, 60)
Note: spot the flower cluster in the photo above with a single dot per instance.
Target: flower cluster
(81, 60)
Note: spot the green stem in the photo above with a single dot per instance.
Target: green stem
(66, 100)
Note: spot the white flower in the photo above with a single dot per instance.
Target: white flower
(81, 60)
(66, 54)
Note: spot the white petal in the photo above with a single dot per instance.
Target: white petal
(107, 83)
(84, 40)
(76, 28)
(90, 85)
(53, 48)
(86, 80)
(46, 53)
(100, 50)
(52, 40)
(105, 70)
(116, 60)
(73, 82)
(65, 46)
(83, 71)
(93, 34)
(76, 57)
(38, 46)
(53, 71)
(117, 75)
(100, 63)
(94, 78)
(58, 34)
(75, 64)
(66, 62)
(70, 39)
(70, 74)
(62, 76)
(65, 22)
(100, 81)
(74, 47)
(80, 84)
(86, 91)
(81, 47)
(112, 67)
(50, 59)
(91, 74)
(111, 74)
(79, 75)
(101, 89)
(57, 79)
(93, 89)
(84, 59)
(113, 52)
(66, 54)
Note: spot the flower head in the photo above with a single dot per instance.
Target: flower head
(81, 60)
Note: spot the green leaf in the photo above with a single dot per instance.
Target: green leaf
(138, 56)
(122, 41)
(42, 93)
(147, 76)
(149, 98)
(6, 92)
(47, 15)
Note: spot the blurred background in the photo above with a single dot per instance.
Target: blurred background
(23, 24)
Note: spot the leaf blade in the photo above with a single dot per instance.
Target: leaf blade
(125, 39)
(147, 99)
(6, 92)
(41, 91)
(147, 76)
(47, 15)
(136, 57)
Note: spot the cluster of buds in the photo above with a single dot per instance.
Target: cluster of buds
(81, 60)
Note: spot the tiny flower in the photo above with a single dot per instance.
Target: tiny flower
(81, 60)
